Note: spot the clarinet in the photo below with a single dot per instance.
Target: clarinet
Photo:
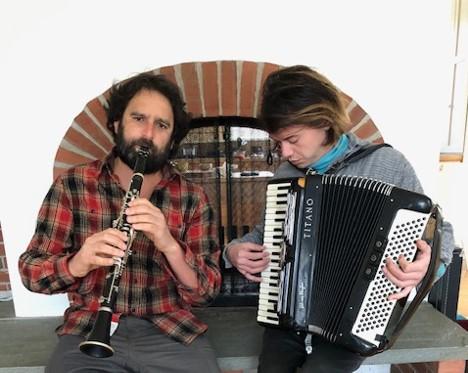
(98, 342)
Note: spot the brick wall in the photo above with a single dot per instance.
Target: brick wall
(4, 277)
(210, 89)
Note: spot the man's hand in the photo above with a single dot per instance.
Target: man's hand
(147, 218)
(408, 274)
(249, 259)
(98, 251)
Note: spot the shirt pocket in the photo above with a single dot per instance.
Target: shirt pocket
(176, 224)
(86, 223)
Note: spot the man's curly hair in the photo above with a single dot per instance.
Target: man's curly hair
(121, 93)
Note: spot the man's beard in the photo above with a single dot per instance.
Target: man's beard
(128, 152)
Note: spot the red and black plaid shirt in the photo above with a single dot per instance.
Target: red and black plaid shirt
(85, 200)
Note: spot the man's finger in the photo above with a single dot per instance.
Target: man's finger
(256, 255)
(401, 294)
(254, 247)
(253, 266)
(250, 277)
(423, 247)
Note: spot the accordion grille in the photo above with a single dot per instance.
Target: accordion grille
(376, 310)
(348, 219)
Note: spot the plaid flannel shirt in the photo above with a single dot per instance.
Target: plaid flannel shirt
(85, 200)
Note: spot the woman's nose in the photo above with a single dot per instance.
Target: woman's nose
(286, 150)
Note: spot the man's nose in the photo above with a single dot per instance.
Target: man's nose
(148, 130)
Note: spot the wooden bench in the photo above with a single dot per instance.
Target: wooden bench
(26, 343)
(430, 336)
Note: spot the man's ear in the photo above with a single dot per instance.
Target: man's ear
(116, 126)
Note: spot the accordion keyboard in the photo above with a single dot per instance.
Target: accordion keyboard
(275, 213)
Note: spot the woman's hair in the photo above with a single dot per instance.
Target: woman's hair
(121, 93)
(300, 95)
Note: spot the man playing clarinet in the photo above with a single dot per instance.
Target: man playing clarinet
(174, 260)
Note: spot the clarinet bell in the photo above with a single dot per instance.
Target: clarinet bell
(96, 349)
(98, 342)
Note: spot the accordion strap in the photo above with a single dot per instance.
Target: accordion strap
(357, 155)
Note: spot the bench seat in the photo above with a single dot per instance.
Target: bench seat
(236, 337)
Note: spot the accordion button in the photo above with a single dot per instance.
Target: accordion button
(369, 272)
(380, 244)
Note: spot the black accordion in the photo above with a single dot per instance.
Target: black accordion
(328, 238)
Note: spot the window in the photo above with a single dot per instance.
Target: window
(454, 143)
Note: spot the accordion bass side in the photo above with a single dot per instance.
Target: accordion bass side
(328, 238)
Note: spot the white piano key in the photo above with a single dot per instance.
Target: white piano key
(266, 320)
(272, 300)
(271, 271)
(267, 309)
(274, 226)
(269, 289)
(268, 299)
(273, 315)
(285, 184)
(273, 196)
(272, 239)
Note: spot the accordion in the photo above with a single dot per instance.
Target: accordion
(328, 238)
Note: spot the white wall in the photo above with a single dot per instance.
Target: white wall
(391, 56)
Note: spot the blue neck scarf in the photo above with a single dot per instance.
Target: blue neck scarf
(324, 163)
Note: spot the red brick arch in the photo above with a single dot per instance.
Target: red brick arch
(210, 89)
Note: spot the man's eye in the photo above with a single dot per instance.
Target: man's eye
(163, 124)
(138, 118)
